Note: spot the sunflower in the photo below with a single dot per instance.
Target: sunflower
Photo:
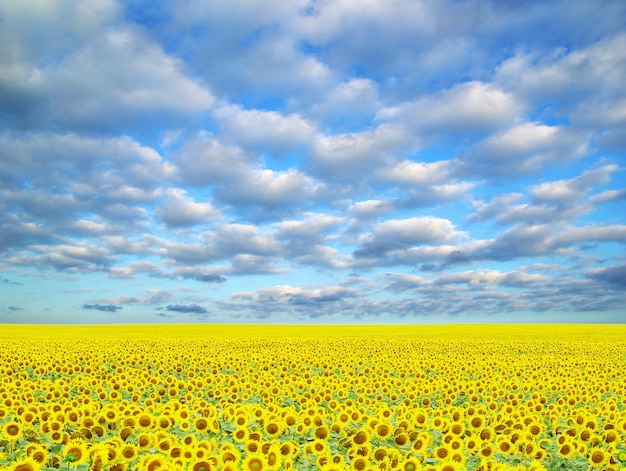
(165, 443)
(360, 463)
(457, 428)
(12, 431)
(487, 434)
(486, 451)
(272, 429)
(410, 464)
(252, 447)
(240, 435)
(566, 450)
(471, 445)
(477, 422)
(152, 462)
(401, 439)
(442, 453)
(288, 449)
(505, 446)
(145, 421)
(75, 452)
(202, 465)
(360, 438)
(273, 457)
(322, 460)
(598, 457)
(420, 444)
(125, 433)
(230, 454)
(176, 453)
(129, 452)
(317, 447)
(27, 464)
(145, 440)
(38, 452)
(254, 462)
(99, 457)
(201, 424)
(321, 433)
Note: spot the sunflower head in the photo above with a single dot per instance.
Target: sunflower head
(12, 431)
(75, 452)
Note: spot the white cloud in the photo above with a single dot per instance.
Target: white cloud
(467, 107)
(348, 103)
(240, 180)
(270, 187)
(564, 191)
(560, 200)
(63, 24)
(608, 195)
(344, 156)
(402, 234)
(298, 295)
(311, 227)
(118, 73)
(597, 70)
(590, 233)
(206, 161)
(417, 230)
(516, 278)
(409, 172)
(263, 131)
(180, 211)
(523, 149)
(370, 208)
(231, 239)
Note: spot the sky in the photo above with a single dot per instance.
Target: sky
(298, 161)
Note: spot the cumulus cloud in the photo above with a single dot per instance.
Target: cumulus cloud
(397, 234)
(560, 200)
(523, 149)
(408, 172)
(129, 78)
(608, 195)
(309, 302)
(311, 227)
(153, 297)
(240, 179)
(563, 191)
(263, 131)
(614, 276)
(179, 210)
(203, 275)
(467, 107)
(593, 70)
(346, 156)
(350, 103)
(370, 208)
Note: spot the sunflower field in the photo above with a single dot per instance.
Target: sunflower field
(253, 398)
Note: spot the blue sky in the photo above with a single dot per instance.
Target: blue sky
(312, 162)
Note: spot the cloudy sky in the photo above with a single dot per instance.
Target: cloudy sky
(330, 161)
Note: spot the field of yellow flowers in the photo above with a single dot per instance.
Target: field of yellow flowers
(253, 398)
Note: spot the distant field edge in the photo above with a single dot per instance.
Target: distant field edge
(513, 332)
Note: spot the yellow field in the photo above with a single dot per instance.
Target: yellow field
(253, 398)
